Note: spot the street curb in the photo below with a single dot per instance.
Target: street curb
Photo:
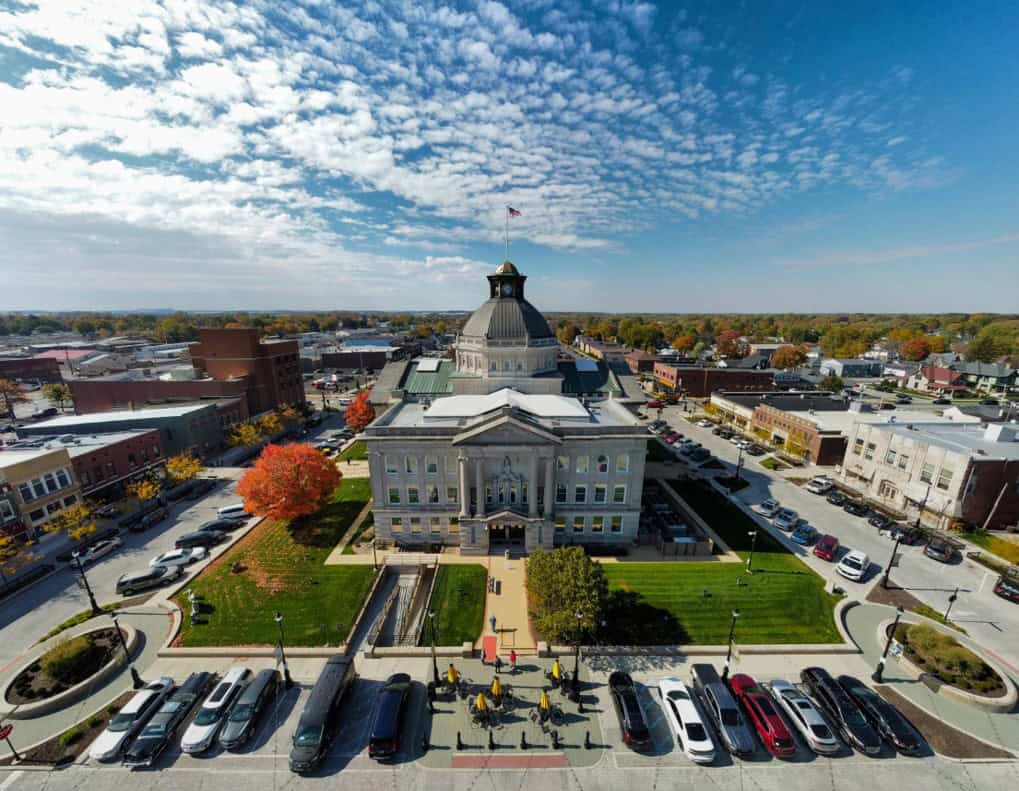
(12, 596)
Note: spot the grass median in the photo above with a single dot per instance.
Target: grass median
(458, 600)
(783, 601)
(280, 566)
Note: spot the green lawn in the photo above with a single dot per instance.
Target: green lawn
(458, 600)
(356, 452)
(1002, 547)
(283, 569)
(771, 463)
(783, 601)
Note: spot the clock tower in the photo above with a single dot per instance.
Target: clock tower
(507, 282)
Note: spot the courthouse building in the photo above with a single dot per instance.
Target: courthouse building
(505, 444)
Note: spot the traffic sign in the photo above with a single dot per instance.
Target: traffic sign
(6, 730)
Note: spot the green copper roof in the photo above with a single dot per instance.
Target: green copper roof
(417, 382)
(586, 382)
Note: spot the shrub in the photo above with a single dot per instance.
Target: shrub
(95, 720)
(68, 658)
(69, 737)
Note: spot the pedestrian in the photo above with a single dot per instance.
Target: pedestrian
(513, 661)
(498, 664)
(491, 620)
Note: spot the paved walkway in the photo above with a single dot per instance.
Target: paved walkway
(509, 605)
(999, 729)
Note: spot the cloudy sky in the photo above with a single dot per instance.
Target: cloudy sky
(317, 154)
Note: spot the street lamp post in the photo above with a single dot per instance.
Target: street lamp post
(375, 557)
(435, 664)
(876, 676)
(891, 560)
(288, 682)
(951, 601)
(753, 543)
(136, 680)
(84, 580)
(575, 681)
(728, 655)
(739, 462)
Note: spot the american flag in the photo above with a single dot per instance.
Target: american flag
(512, 212)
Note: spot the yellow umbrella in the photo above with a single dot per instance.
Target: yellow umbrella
(544, 703)
(451, 674)
(481, 704)
(496, 687)
(557, 670)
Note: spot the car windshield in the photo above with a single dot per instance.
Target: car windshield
(241, 712)
(853, 717)
(821, 731)
(695, 731)
(155, 729)
(852, 562)
(121, 723)
(308, 736)
(208, 716)
(765, 706)
(678, 694)
(1009, 587)
(730, 717)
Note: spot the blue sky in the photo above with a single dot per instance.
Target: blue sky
(702, 157)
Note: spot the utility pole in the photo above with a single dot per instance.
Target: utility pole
(877, 675)
(84, 580)
(753, 543)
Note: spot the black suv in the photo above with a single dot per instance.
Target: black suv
(888, 720)
(202, 538)
(636, 733)
(835, 497)
(384, 737)
(841, 710)
(855, 508)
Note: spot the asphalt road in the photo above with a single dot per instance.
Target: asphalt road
(989, 619)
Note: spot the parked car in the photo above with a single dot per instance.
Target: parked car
(201, 733)
(384, 736)
(819, 485)
(130, 719)
(201, 487)
(880, 521)
(232, 511)
(755, 450)
(855, 508)
(1007, 586)
(717, 431)
(51, 411)
(902, 398)
(159, 730)
(632, 723)
(803, 714)
(242, 721)
(97, 550)
(109, 512)
(786, 519)
(218, 525)
(836, 497)
(179, 557)
(722, 710)
(684, 719)
(769, 507)
(804, 535)
(883, 716)
(149, 519)
(853, 566)
(768, 723)
(316, 727)
(840, 710)
(887, 405)
(942, 401)
(705, 423)
(200, 538)
(989, 402)
(911, 536)
(940, 550)
(134, 581)
(726, 433)
(826, 548)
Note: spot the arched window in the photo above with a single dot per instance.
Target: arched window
(603, 464)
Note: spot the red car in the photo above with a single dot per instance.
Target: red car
(771, 728)
(654, 405)
(826, 548)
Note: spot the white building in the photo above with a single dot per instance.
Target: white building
(505, 444)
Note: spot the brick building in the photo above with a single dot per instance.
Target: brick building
(45, 369)
(367, 359)
(640, 362)
(43, 483)
(701, 382)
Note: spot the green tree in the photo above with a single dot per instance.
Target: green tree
(985, 348)
(560, 585)
(57, 394)
(11, 393)
(832, 383)
(789, 357)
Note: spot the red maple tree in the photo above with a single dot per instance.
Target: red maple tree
(915, 349)
(360, 413)
(289, 481)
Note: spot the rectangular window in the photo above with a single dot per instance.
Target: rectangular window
(578, 524)
(26, 492)
(523, 492)
(623, 462)
(600, 492)
(603, 464)
(394, 495)
(53, 507)
(903, 461)
(560, 524)
(858, 447)
(945, 478)
(562, 463)
(63, 478)
(617, 524)
(927, 473)
(871, 447)
(452, 494)
(580, 495)
(451, 466)
(396, 524)
(488, 495)
(131, 461)
(411, 464)
(38, 487)
(412, 495)
(435, 524)
(6, 510)
(581, 465)
(890, 457)
(433, 495)
(37, 514)
(597, 524)
(431, 465)
(155, 451)
(560, 492)
(69, 501)
(51, 482)
(619, 494)
(391, 468)
(415, 524)
(513, 493)
(454, 524)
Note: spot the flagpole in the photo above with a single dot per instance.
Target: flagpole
(507, 235)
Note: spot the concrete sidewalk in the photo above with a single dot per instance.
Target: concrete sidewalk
(508, 606)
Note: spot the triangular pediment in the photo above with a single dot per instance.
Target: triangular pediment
(505, 430)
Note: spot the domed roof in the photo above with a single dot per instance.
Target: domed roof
(507, 320)
(506, 268)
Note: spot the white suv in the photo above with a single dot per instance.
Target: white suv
(819, 485)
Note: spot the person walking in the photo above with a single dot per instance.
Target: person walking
(498, 664)
(491, 620)
(513, 661)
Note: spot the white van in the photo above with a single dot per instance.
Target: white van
(234, 511)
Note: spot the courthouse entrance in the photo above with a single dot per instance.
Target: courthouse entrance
(506, 534)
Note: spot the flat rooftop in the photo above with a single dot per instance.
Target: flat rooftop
(844, 421)
(964, 438)
(10, 457)
(76, 444)
(819, 401)
(118, 416)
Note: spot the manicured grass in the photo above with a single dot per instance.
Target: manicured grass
(783, 601)
(283, 570)
(1003, 548)
(458, 600)
(356, 452)
(934, 615)
(74, 620)
(771, 463)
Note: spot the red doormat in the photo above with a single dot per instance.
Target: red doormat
(518, 761)
(489, 647)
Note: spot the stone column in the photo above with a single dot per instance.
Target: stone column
(480, 476)
(550, 487)
(465, 490)
(532, 486)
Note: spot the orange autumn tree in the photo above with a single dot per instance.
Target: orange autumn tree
(360, 413)
(289, 481)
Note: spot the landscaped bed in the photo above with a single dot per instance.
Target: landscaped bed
(783, 601)
(458, 601)
(280, 566)
(68, 663)
(1002, 547)
(358, 451)
(943, 657)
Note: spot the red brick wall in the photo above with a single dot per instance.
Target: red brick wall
(103, 395)
(988, 478)
(702, 382)
(92, 469)
(47, 369)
